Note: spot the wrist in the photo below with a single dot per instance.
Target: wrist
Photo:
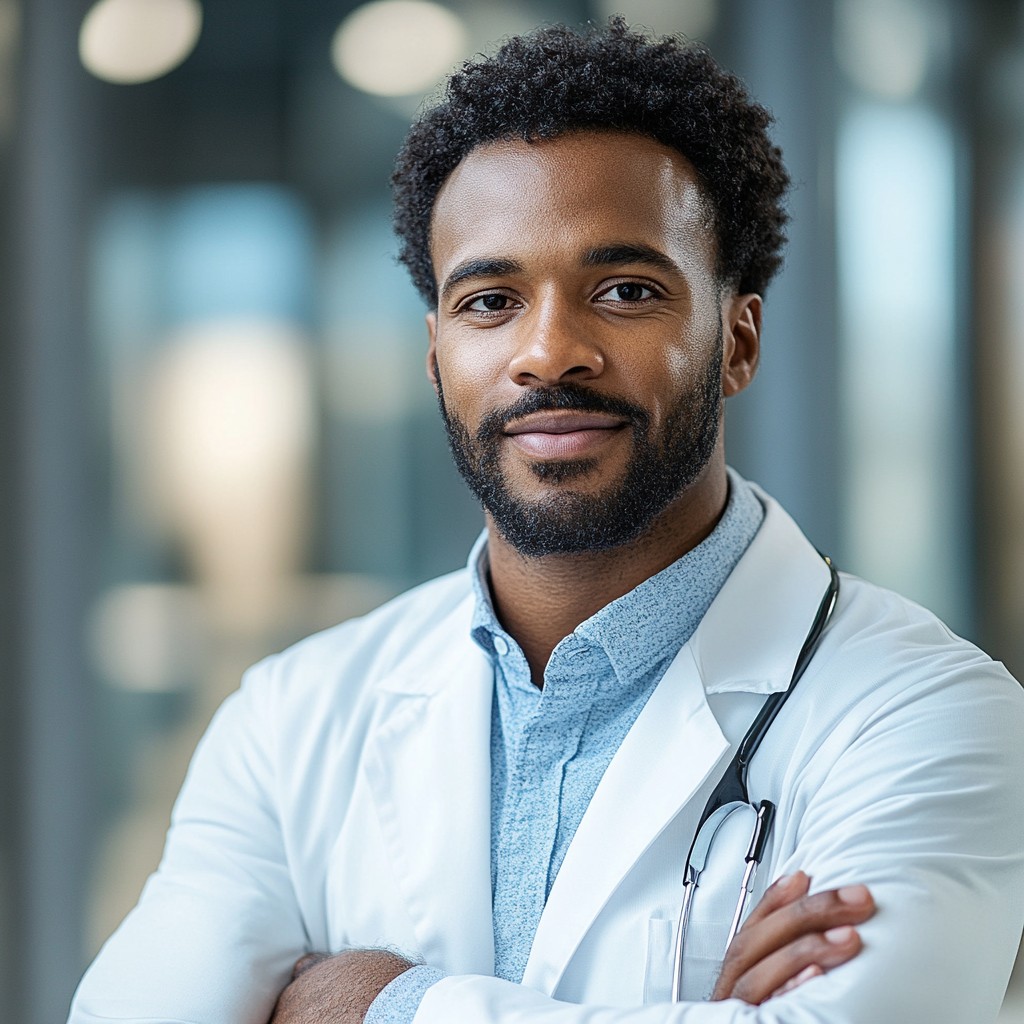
(371, 970)
(338, 988)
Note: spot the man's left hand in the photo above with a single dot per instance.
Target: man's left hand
(337, 989)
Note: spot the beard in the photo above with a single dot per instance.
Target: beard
(568, 521)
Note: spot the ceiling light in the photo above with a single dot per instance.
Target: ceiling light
(131, 41)
(884, 45)
(397, 47)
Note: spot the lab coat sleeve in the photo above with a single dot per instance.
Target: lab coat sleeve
(217, 928)
(926, 806)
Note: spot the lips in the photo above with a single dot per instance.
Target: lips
(563, 434)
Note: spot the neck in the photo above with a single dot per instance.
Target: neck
(540, 601)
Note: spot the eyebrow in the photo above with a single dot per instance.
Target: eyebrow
(470, 269)
(617, 254)
(622, 253)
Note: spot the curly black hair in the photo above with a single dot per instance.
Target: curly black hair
(556, 80)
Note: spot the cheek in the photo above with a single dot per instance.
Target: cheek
(677, 382)
(659, 384)
(688, 359)
(468, 374)
(680, 368)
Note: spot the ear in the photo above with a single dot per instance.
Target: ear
(741, 341)
(432, 349)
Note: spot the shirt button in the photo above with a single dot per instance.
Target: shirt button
(501, 645)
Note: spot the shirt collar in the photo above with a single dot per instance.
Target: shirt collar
(650, 623)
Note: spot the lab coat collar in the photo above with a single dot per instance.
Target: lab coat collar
(751, 636)
(440, 645)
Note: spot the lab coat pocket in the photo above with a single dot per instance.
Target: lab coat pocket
(658, 973)
(700, 968)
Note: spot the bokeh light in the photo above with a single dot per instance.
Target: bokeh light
(132, 41)
(884, 45)
(397, 47)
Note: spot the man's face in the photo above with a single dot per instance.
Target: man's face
(577, 346)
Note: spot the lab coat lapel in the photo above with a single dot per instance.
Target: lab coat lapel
(429, 770)
(748, 641)
(673, 746)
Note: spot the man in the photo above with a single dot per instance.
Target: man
(499, 774)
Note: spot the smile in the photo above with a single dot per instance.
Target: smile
(563, 434)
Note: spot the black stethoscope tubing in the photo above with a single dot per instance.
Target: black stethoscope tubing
(732, 786)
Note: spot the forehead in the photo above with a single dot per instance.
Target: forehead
(574, 189)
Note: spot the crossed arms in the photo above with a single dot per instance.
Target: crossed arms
(789, 938)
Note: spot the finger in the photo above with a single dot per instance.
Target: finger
(780, 927)
(819, 912)
(780, 893)
(824, 952)
(813, 971)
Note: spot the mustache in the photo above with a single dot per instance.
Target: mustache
(574, 397)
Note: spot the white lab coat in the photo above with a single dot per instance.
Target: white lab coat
(342, 798)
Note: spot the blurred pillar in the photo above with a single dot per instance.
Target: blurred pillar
(51, 507)
(997, 124)
(993, 97)
(901, 167)
(8, 586)
(783, 432)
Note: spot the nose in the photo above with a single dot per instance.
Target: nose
(554, 347)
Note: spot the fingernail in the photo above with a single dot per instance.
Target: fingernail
(810, 971)
(854, 894)
(839, 935)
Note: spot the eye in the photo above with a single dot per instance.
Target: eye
(493, 302)
(627, 292)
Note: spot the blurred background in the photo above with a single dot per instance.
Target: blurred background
(215, 431)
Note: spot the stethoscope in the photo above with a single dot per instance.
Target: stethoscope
(731, 794)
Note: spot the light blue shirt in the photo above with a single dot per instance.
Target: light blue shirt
(550, 746)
